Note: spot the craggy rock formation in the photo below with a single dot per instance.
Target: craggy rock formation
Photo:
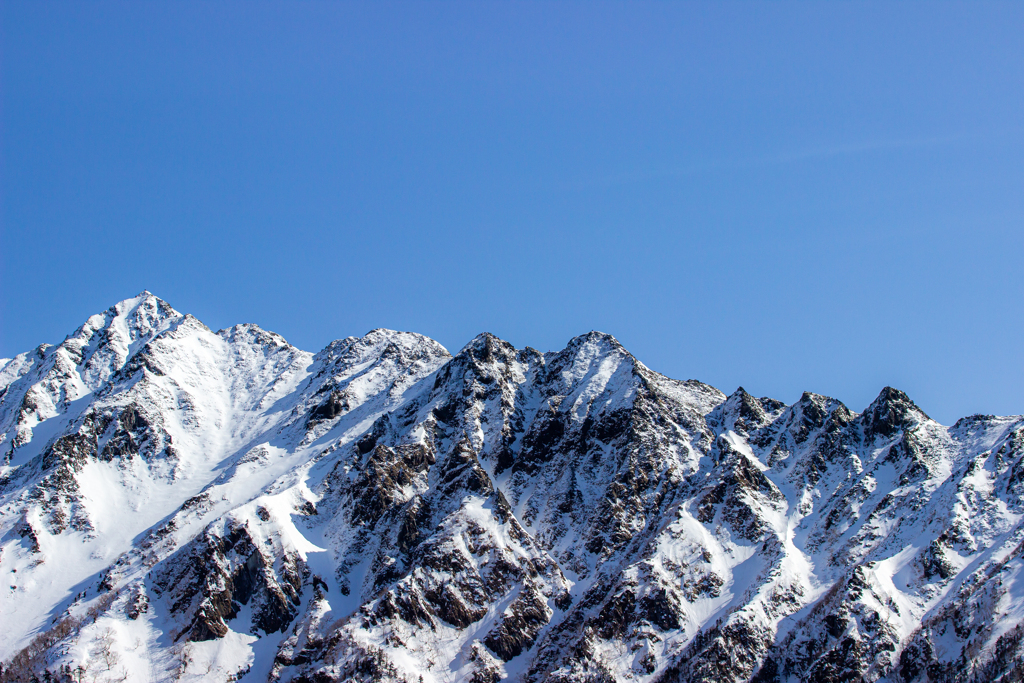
(183, 504)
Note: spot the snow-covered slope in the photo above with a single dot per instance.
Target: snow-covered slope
(182, 504)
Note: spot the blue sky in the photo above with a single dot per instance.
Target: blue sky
(784, 196)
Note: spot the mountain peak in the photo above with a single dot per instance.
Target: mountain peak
(145, 297)
(406, 342)
(890, 412)
(596, 337)
(487, 347)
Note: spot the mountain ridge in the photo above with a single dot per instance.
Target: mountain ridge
(183, 504)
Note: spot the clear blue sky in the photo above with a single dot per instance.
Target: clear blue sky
(785, 196)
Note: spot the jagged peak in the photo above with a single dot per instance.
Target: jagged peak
(103, 343)
(980, 419)
(742, 411)
(138, 315)
(487, 342)
(379, 332)
(380, 338)
(742, 400)
(254, 332)
(337, 346)
(384, 336)
(479, 341)
(818, 403)
(596, 337)
(890, 396)
(739, 397)
(891, 411)
(485, 346)
(144, 298)
(814, 412)
(342, 355)
(585, 347)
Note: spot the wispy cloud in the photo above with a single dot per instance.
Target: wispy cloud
(798, 155)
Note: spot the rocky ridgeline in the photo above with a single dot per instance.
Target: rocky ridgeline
(183, 504)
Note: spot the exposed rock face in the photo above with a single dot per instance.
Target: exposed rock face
(213, 577)
(177, 503)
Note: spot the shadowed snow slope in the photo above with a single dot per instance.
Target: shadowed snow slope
(182, 504)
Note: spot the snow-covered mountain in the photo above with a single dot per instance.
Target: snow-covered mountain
(183, 504)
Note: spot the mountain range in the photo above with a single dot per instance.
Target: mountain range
(183, 504)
